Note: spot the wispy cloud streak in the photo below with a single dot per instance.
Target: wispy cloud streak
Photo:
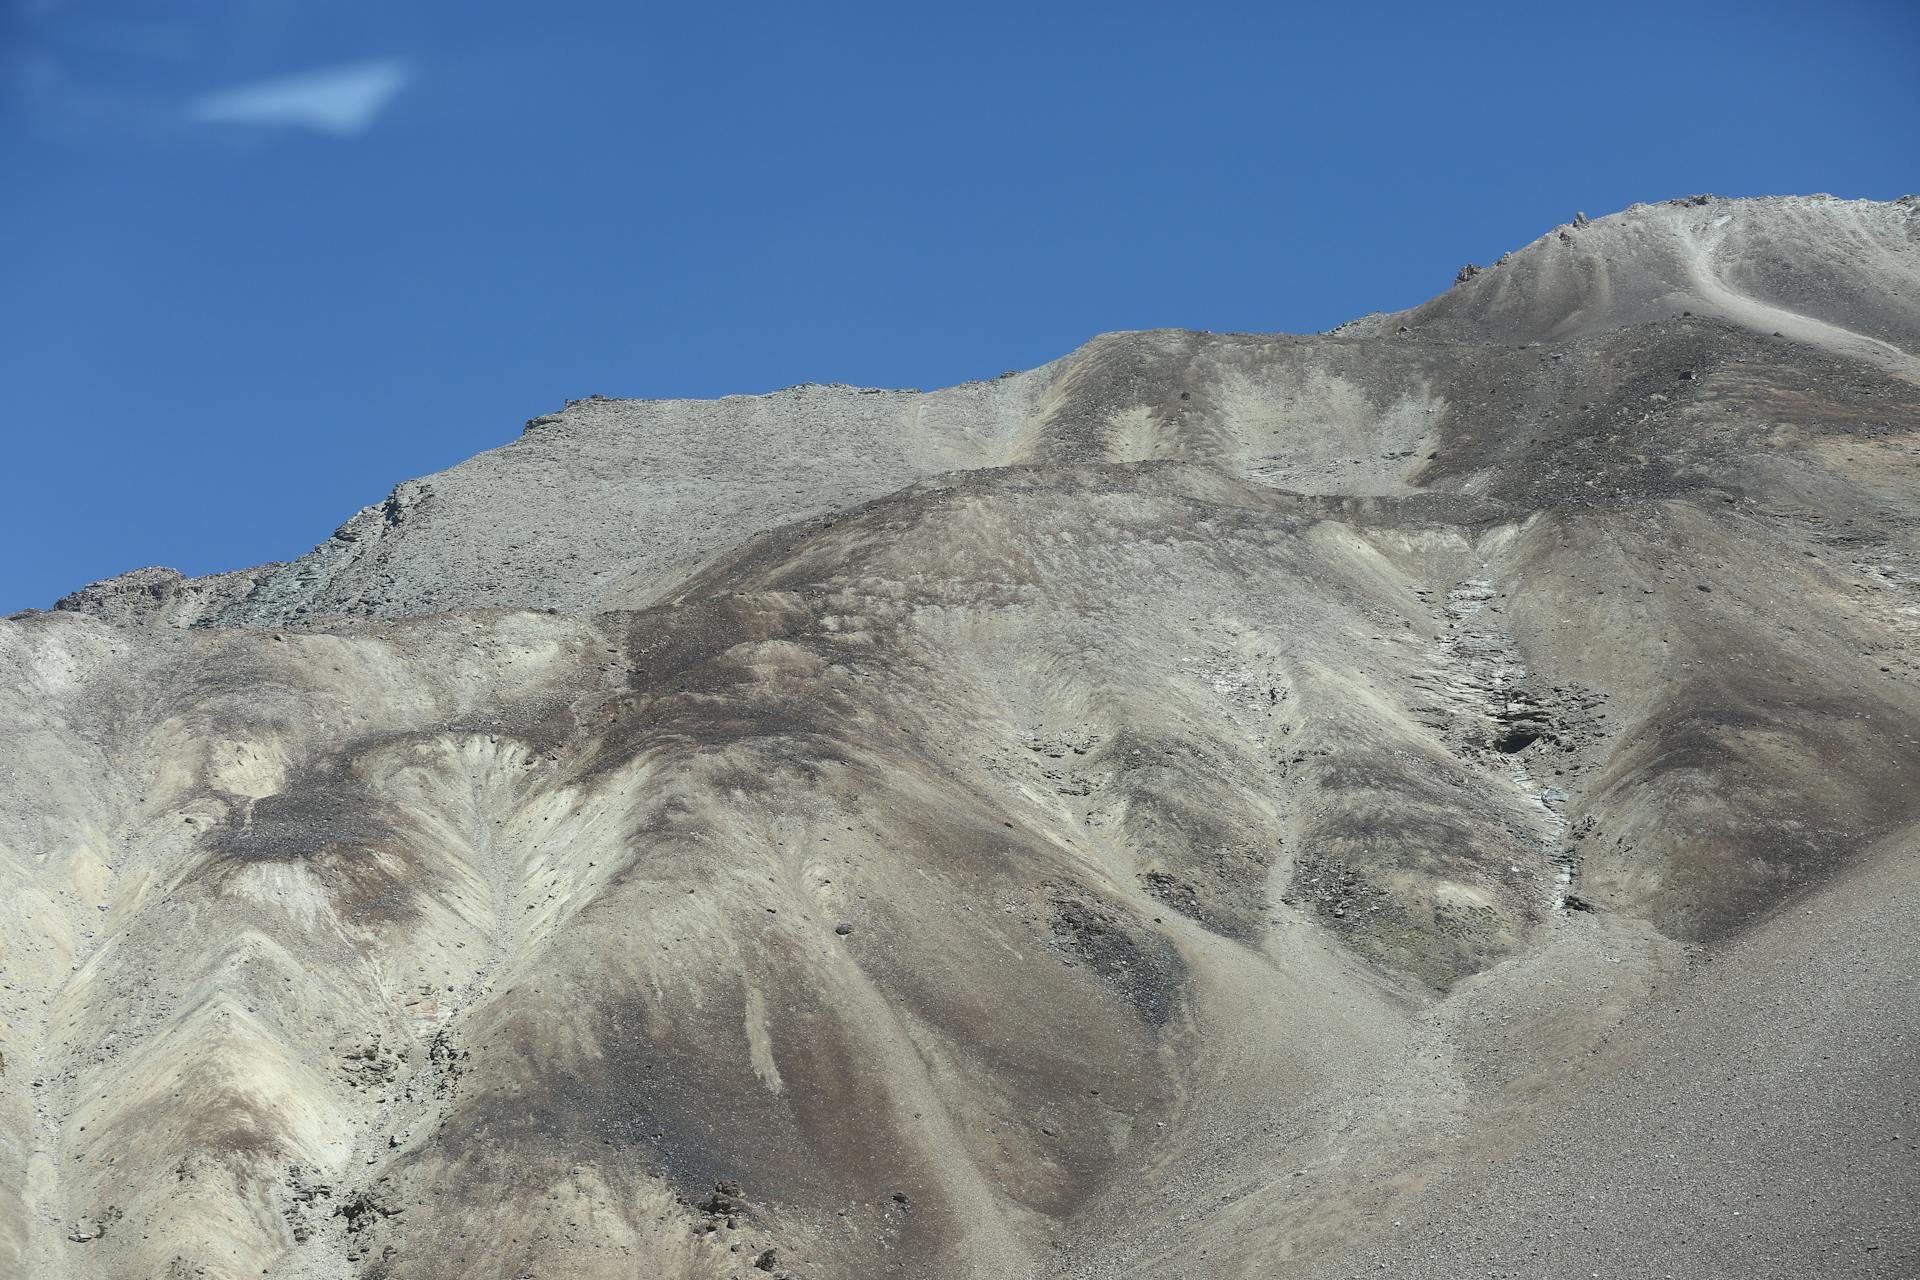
(342, 101)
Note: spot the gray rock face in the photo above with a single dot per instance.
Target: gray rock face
(163, 597)
(1437, 796)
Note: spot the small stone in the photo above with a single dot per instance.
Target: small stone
(843, 928)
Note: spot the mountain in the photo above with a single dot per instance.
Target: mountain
(1437, 797)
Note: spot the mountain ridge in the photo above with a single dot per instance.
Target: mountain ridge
(274, 594)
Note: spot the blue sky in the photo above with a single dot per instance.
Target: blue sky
(264, 259)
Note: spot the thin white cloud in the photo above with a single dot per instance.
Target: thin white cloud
(343, 101)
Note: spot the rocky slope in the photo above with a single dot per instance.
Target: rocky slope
(1435, 796)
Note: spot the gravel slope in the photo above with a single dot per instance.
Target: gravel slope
(1436, 798)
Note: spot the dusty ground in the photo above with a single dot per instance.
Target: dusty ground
(1434, 799)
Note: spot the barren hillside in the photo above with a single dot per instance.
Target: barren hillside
(1438, 798)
